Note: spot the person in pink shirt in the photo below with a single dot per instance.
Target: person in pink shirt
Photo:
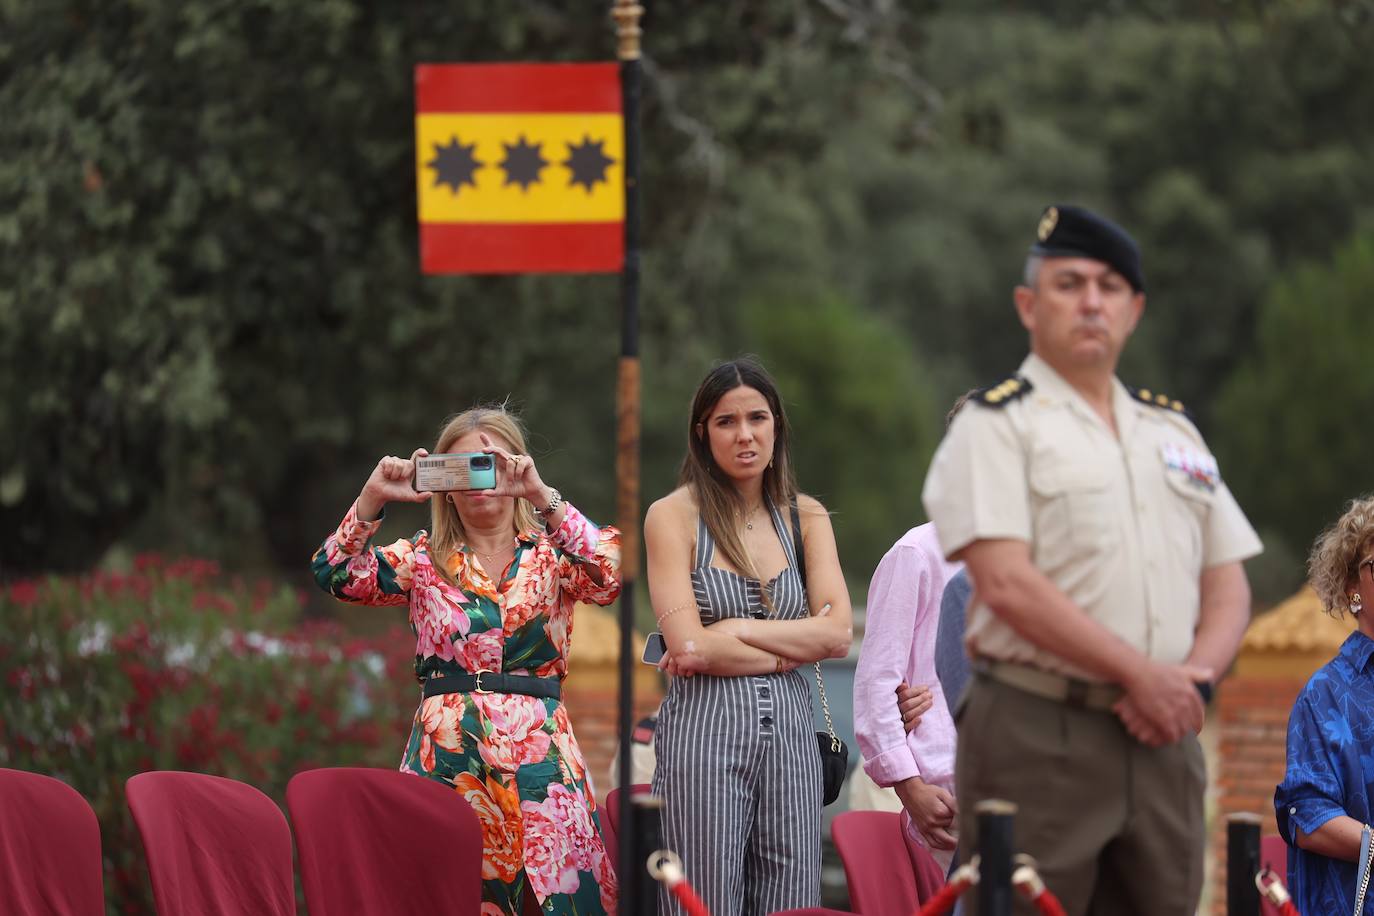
(898, 650)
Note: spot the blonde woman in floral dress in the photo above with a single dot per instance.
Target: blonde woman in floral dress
(492, 590)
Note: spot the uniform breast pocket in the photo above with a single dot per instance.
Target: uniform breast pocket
(1191, 503)
(1071, 506)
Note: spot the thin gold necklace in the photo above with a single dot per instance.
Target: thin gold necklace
(489, 557)
(748, 519)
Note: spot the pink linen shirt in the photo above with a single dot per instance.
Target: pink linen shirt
(899, 646)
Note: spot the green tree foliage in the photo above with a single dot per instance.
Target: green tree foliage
(1293, 436)
(1212, 139)
(216, 322)
(864, 414)
(213, 324)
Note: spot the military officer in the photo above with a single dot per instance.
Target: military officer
(1105, 551)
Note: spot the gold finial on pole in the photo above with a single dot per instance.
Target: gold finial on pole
(626, 14)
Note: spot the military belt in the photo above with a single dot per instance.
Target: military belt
(1060, 688)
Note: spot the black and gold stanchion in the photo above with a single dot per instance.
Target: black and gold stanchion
(647, 811)
(635, 847)
(995, 848)
(1242, 864)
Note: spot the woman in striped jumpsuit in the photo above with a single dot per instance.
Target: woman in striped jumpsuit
(738, 764)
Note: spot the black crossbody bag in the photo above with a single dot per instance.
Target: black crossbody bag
(834, 754)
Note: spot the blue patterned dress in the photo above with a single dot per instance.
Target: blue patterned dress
(1330, 772)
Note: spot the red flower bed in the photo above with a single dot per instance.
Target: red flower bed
(178, 667)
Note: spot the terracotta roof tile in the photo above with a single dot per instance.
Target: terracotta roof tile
(1298, 624)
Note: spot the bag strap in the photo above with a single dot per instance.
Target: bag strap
(825, 708)
(799, 551)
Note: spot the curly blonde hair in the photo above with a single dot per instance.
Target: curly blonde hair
(1332, 565)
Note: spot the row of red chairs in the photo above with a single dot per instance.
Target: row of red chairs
(369, 841)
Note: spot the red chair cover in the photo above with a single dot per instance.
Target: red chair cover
(214, 845)
(876, 864)
(49, 848)
(611, 813)
(608, 833)
(610, 820)
(930, 877)
(1274, 855)
(383, 841)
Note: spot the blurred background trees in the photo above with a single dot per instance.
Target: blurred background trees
(212, 322)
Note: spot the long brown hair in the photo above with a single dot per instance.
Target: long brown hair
(718, 502)
(447, 536)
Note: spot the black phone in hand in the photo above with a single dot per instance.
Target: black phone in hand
(654, 649)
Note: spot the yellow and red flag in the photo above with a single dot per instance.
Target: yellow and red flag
(520, 168)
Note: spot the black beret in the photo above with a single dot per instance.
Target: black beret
(1069, 231)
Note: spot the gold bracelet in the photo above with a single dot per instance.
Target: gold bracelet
(778, 669)
(673, 610)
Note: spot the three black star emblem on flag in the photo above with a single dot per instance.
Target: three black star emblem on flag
(455, 163)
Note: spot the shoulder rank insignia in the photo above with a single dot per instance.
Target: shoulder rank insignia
(1155, 399)
(1004, 392)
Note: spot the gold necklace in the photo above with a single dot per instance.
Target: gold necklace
(489, 557)
(748, 519)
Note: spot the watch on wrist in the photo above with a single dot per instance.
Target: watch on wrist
(1204, 688)
(555, 501)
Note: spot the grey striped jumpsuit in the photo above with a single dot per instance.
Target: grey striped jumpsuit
(737, 760)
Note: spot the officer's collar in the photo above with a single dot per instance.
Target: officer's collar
(1051, 388)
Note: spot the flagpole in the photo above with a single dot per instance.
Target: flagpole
(637, 892)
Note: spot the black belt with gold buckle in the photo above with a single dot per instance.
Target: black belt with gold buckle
(550, 688)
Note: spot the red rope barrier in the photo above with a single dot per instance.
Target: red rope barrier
(1029, 883)
(689, 899)
(665, 866)
(964, 877)
(1274, 891)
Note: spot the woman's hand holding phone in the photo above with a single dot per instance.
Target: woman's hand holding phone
(516, 475)
(684, 665)
(390, 482)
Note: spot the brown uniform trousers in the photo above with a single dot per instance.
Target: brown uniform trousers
(1116, 827)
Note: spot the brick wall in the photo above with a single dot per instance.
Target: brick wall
(591, 691)
(1252, 712)
(593, 701)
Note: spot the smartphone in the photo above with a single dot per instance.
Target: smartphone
(654, 649)
(458, 471)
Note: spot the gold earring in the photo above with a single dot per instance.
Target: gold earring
(1356, 603)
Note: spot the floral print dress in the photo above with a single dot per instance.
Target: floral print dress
(513, 757)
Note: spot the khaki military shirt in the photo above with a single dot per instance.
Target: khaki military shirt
(1123, 525)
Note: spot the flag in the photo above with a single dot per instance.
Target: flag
(520, 168)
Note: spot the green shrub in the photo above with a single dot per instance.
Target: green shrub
(176, 667)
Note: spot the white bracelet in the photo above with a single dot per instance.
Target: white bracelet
(673, 610)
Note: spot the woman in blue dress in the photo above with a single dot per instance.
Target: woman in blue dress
(1324, 802)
